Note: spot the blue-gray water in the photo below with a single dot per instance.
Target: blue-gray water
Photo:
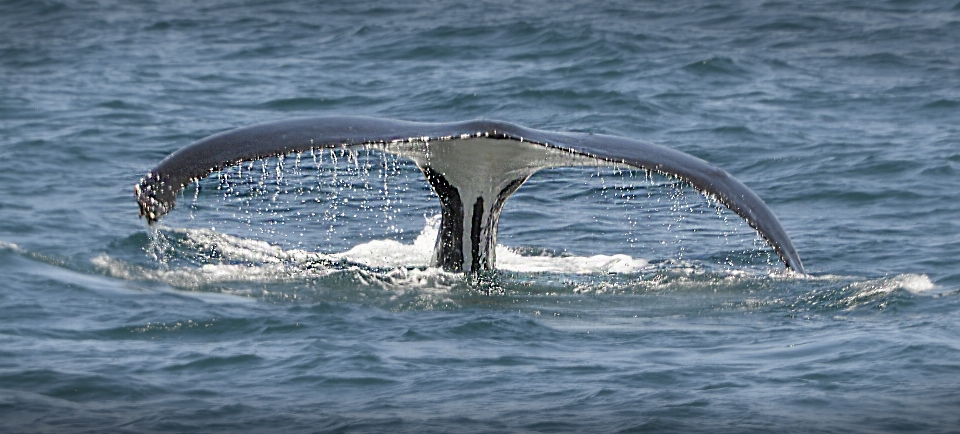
(843, 116)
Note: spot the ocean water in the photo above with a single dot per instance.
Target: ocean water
(293, 294)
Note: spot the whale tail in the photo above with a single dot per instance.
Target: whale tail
(473, 167)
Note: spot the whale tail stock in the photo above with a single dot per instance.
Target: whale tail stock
(472, 166)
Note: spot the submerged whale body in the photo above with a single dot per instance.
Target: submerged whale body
(473, 167)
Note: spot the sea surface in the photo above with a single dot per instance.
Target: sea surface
(294, 294)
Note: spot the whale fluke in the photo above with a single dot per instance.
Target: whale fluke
(473, 167)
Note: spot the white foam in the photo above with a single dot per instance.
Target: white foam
(393, 254)
(508, 259)
(206, 274)
(913, 283)
(406, 265)
(238, 249)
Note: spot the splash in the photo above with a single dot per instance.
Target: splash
(389, 263)
(914, 283)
